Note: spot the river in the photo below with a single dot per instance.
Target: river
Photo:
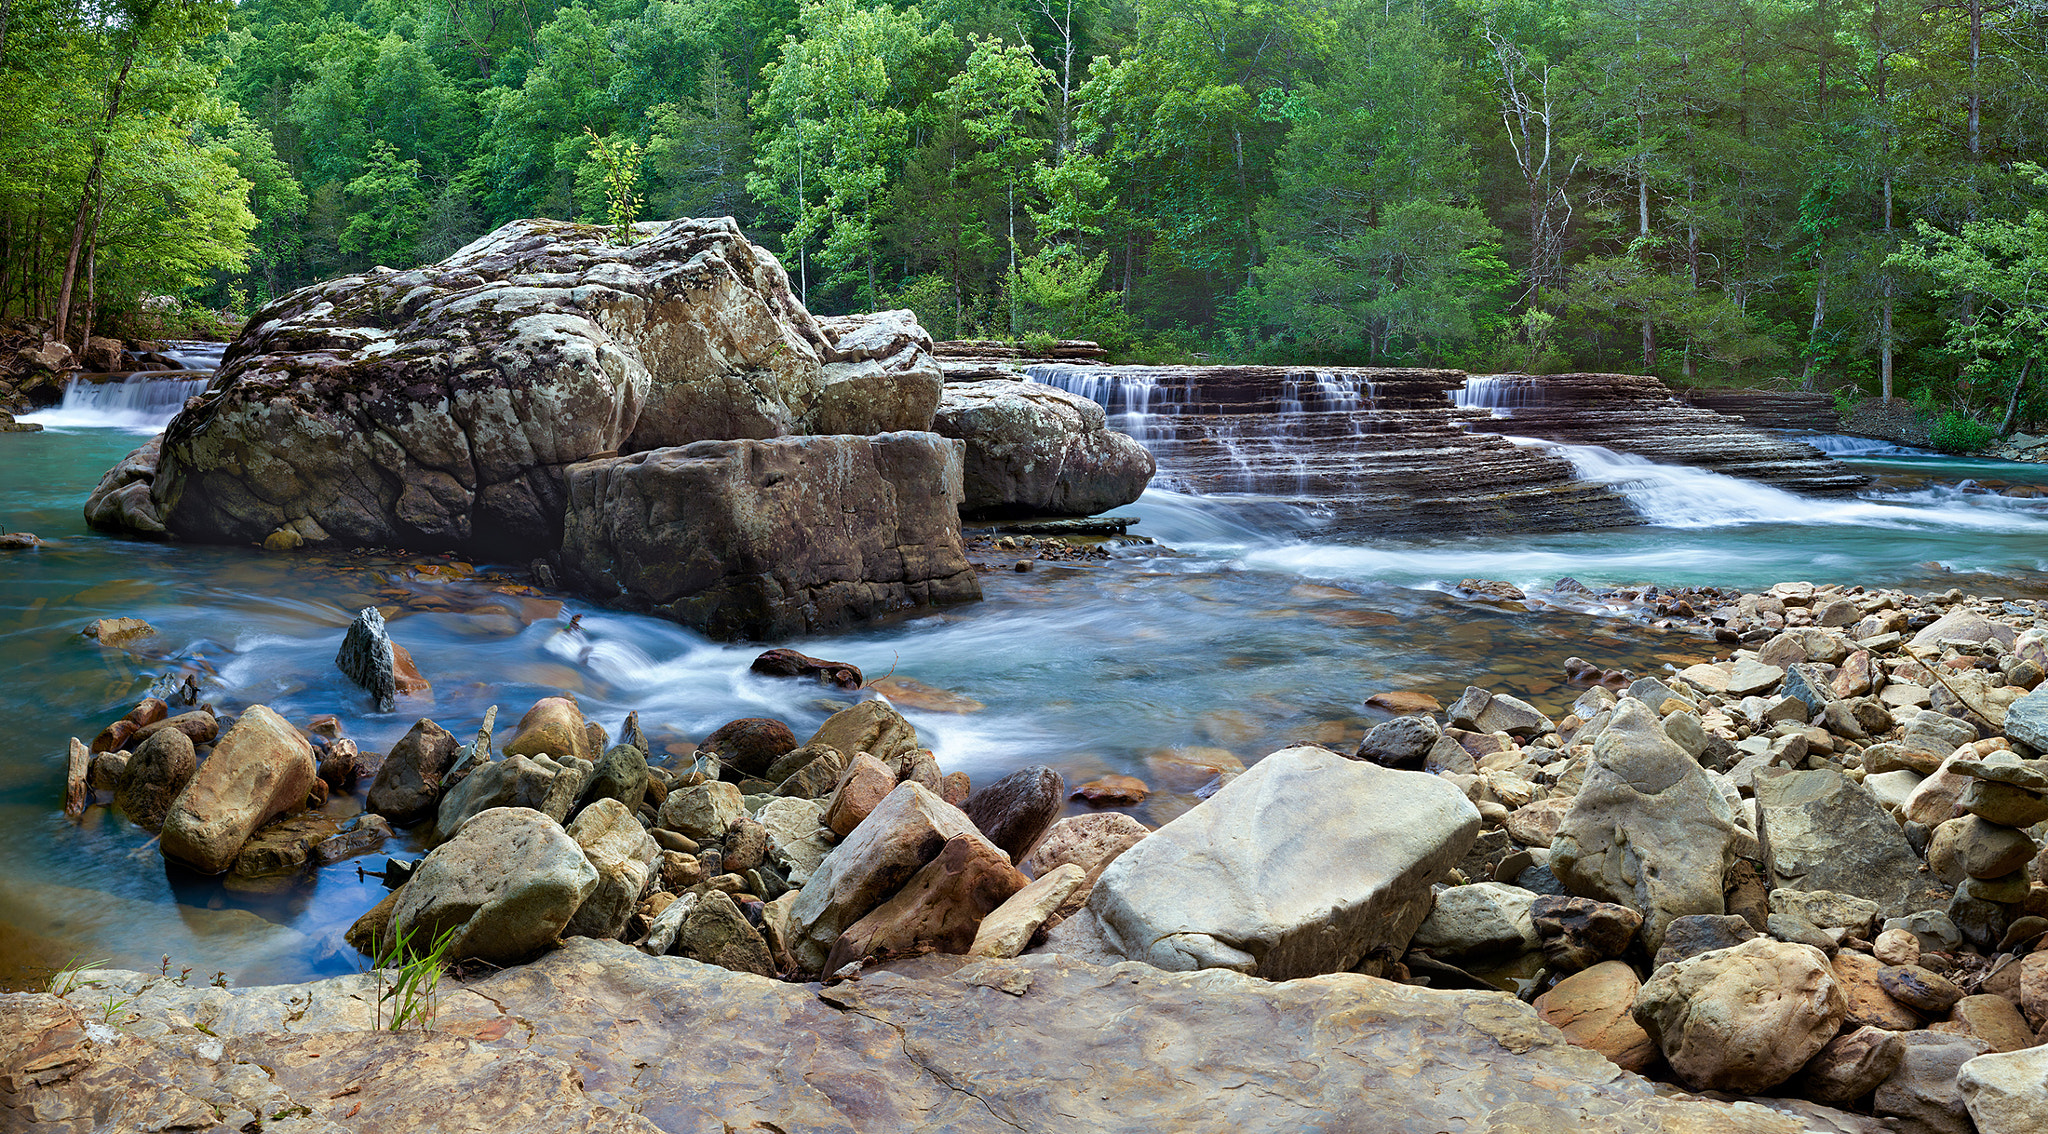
(1240, 629)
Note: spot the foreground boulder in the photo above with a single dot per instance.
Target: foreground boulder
(1037, 450)
(771, 538)
(438, 407)
(563, 1045)
(1302, 865)
(1742, 1019)
(259, 770)
(1648, 830)
(506, 885)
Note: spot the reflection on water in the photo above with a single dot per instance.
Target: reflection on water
(1241, 632)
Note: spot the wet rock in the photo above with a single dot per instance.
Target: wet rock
(938, 909)
(367, 658)
(715, 932)
(117, 631)
(554, 726)
(1578, 933)
(1923, 1090)
(121, 500)
(259, 770)
(156, 772)
(1742, 1019)
(341, 764)
(1822, 831)
(1689, 936)
(1359, 845)
(862, 788)
(624, 856)
(1034, 449)
(408, 784)
(1851, 1065)
(506, 885)
(1482, 920)
(750, 745)
(702, 812)
(789, 663)
(1647, 829)
(361, 835)
(541, 783)
(1403, 742)
(199, 727)
(1592, 1009)
(1113, 791)
(2006, 1093)
(770, 538)
(1015, 811)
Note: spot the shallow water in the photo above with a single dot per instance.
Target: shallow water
(1239, 632)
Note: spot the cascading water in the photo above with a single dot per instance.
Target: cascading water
(1841, 446)
(1502, 394)
(139, 403)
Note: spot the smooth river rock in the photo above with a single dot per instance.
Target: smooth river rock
(1034, 450)
(1302, 865)
(506, 884)
(771, 538)
(259, 770)
(1742, 1019)
(599, 1037)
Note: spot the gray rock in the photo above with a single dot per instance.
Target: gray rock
(1753, 678)
(1033, 449)
(367, 659)
(1579, 933)
(1852, 1065)
(2007, 1093)
(715, 932)
(1648, 829)
(156, 772)
(621, 774)
(1404, 742)
(1923, 1090)
(1484, 920)
(542, 783)
(879, 375)
(505, 885)
(408, 784)
(797, 838)
(1821, 831)
(623, 854)
(2026, 720)
(1745, 1018)
(702, 811)
(770, 538)
(1811, 683)
(1694, 934)
(1829, 910)
(1015, 811)
(1478, 710)
(1932, 928)
(1302, 865)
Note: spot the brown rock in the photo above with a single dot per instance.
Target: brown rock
(2033, 989)
(1579, 933)
(862, 787)
(156, 772)
(1015, 811)
(198, 727)
(1992, 1019)
(113, 738)
(259, 770)
(117, 631)
(1919, 989)
(1851, 1066)
(1867, 1001)
(1403, 701)
(940, 908)
(873, 727)
(1536, 824)
(750, 745)
(1742, 1019)
(955, 788)
(408, 784)
(1010, 928)
(790, 663)
(717, 933)
(554, 726)
(1113, 791)
(1592, 1008)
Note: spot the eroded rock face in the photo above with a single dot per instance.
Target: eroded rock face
(1302, 865)
(1033, 449)
(438, 407)
(771, 538)
(561, 1047)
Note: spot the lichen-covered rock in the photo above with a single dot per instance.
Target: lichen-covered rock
(121, 501)
(771, 538)
(506, 885)
(438, 407)
(623, 854)
(1036, 450)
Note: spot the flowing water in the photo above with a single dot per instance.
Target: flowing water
(1240, 630)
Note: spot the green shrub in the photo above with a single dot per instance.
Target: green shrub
(1957, 432)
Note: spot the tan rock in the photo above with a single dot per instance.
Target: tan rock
(1536, 824)
(554, 726)
(873, 727)
(1897, 947)
(259, 770)
(1592, 1008)
(2007, 1093)
(1867, 1001)
(1745, 1018)
(862, 787)
(1992, 1019)
(1005, 932)
(939, 909)
(2033, 989)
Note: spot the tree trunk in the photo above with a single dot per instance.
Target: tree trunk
(92, 177)
(1884, 337)
(1820, 314)
(2012, 408)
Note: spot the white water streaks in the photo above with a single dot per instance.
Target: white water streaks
(1501, 393)
(140, 403)
(1841, 446)
(1125, 396)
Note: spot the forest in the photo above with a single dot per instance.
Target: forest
(1833, 194)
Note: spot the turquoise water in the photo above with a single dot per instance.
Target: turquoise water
(1240, 631)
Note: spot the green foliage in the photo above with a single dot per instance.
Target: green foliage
(1954, 431)
(417, 981)
(1060, 295)
(618, 163)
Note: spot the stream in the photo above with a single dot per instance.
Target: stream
(1240, 629)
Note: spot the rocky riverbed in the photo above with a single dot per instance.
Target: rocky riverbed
(1809, 874)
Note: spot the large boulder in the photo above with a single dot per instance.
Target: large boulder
(1647, 830)
(506, 885)
(121, 501)
(259, 770)
(1822, 831)
(1742, 1019)
(408, 783)
(879, 375)
(1038, 450)
(1302, 865)
(770, 538)
(2007, 1093)
(438, 407)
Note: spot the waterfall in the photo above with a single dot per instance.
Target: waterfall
(1124, 395)
(140, 403)
(1501, 393)
(1839, 446)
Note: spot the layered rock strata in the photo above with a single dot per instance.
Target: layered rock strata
(1770, 409)
(1636, 413)
(1375, 450)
